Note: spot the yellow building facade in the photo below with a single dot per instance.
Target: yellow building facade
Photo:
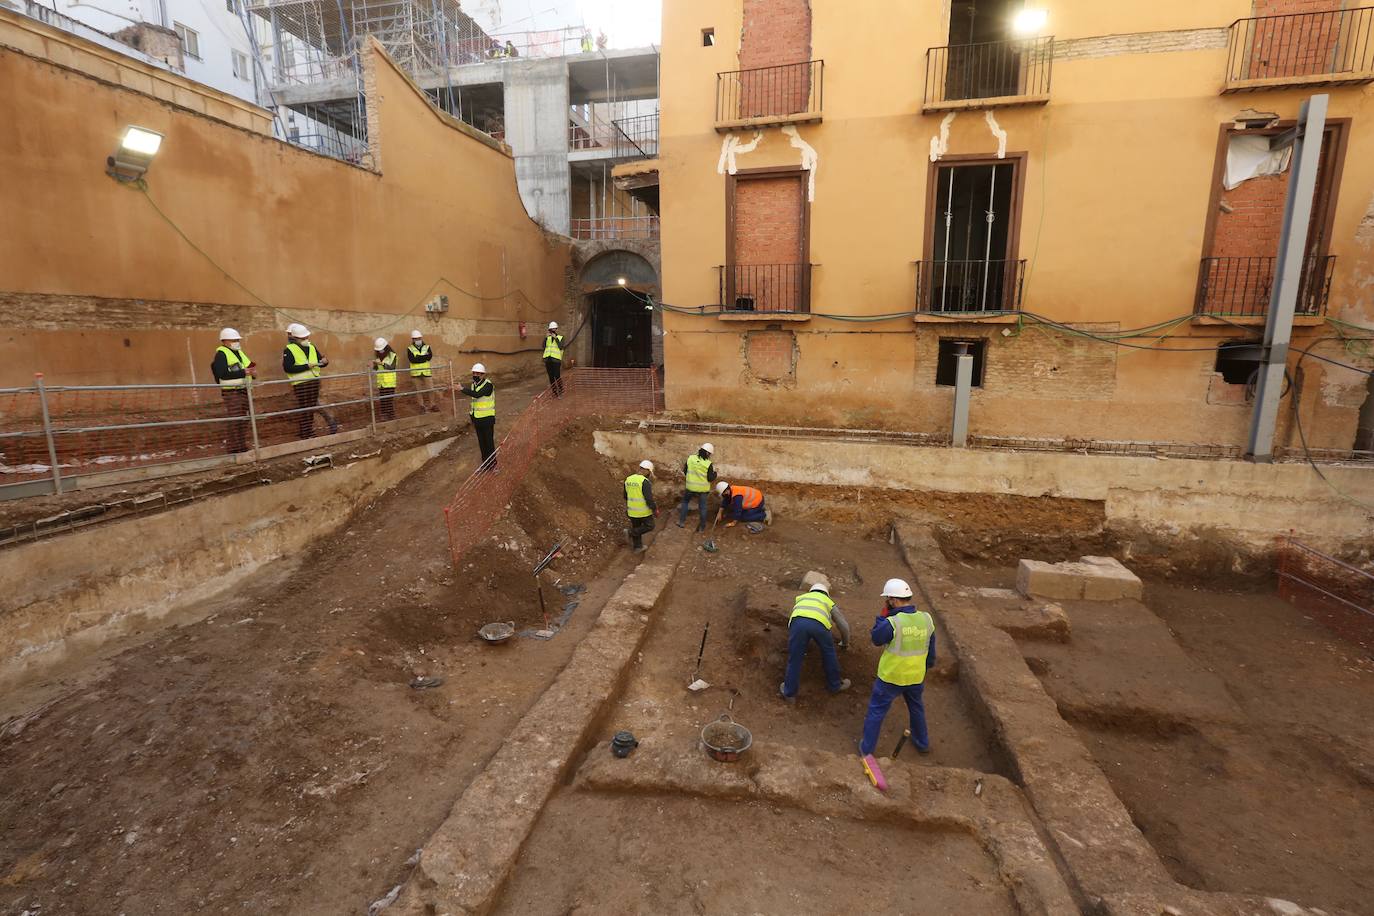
(1085, 193)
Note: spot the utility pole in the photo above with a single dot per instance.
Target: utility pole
(1288, 275)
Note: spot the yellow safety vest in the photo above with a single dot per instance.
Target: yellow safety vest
(308, 355)
(903, 661)
(635, 505)
(419, 361)
(698, 474)
(484, 405)
(387, 379)
(235, 357)
(553, 346)
(813, 606)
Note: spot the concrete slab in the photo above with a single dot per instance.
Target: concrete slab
(1091, 579)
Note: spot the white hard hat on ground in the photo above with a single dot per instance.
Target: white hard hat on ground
(230, 334)
(821, 587)
(647, 465)
(896, 588)
(721, 487)
(478, 367)
(379, 343)
(553, 326)
(297, 330)
(708, 448)
(415, 334)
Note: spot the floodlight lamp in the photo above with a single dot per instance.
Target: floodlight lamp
(1029, 21)
(620, 280)
(135, 153)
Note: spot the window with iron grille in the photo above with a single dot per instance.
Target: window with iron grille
(971, 264)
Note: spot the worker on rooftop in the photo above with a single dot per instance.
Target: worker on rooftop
(232, 368)
(908, 640)
(302, 364)
(384, 372)
(700, 473)
(639, 504)
(813, 616)
(418, 357)
(553, 358)
(743, 504)
(483, 413)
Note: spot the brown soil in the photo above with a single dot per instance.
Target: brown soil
(746, 654)
(667, 855)
(272, 757)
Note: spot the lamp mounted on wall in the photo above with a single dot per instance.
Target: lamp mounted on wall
(1029, 21)
(135, 153)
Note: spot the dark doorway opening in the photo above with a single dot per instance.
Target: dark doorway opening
(622, 330)
(972, 228)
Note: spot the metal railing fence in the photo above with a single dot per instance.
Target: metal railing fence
(762, 92)
(644, 228)
(1241, 287)
(636, 137)
(969, 286)
(989, 70)
(765, 288)
(1334, 43)
(1336, 594)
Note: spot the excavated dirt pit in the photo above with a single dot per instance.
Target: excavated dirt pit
(1233, 727)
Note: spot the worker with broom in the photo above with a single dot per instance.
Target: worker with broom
(908, 640)
(639, 504)
(813, 616)
(743, 504)
(700, 473)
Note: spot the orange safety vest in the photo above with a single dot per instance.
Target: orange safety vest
(752, 498)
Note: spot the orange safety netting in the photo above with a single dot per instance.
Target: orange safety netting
(483, 497)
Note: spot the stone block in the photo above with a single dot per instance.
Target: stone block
(1089, 579)
(1111, 583)
(1038, 579)
(812, 578)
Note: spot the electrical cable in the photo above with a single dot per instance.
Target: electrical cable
(1302, 434)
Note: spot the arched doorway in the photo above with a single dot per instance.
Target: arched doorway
(625, 331)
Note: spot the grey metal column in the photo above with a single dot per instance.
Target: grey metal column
(47, 432)
(1288, 274)
(963, 387)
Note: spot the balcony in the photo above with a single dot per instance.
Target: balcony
(1241, 287)
(770, 96)
(636, 137)
(1301, 49)
(765, 289)
(621, 139)
(638, 228)
(992, 74)
(969, 287)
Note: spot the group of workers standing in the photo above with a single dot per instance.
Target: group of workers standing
(905, 634)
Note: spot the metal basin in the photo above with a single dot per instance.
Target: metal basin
(725, 739)
(497, 632)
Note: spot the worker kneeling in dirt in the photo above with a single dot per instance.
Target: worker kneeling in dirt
(813, 615)
(908, 640)
(639, 504)
(743, 504)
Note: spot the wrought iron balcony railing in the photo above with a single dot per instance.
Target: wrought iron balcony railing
(1241, 287)
(643, 228)
(790, 93)
(1301, 49)
(991, 73)
(969, 287)
(636, 137)
(770, 288)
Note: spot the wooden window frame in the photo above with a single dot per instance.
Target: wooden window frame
(789, 171)
(1018, 161)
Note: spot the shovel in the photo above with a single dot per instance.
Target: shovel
(697, 682)
(710, 545)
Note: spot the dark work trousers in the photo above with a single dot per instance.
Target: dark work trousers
(878, 704)
(687, 498)
(386, 404)
(638, 528)
(800, 632)
(554, 367)
(236, 405)
(307, 397)
(485, 428)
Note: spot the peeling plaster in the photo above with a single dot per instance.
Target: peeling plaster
(997, 132)
(809, 160)
(730, 147)
(939, 145)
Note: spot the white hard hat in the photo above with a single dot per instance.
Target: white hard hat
(415, 334)
(379, 343)
(553, 326)
(821, 587)
(896, 588)
(478, 367)
(297, 330)
(230, 334)
(708, 448)
(647, 465)
(721, 487)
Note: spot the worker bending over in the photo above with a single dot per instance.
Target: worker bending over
(483, 413)
(743, 504)
(700, 473)
(908, 640)
(813, 616)
(302, 364)
(418, 357)
(384, 368)
(640, 505)
(553, 358)
(232, 368)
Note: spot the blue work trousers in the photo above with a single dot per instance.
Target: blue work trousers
(801, 631)
(686, 504)
(883, 695)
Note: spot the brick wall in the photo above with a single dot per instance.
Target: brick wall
(1301, 46)
(775, 33)
(1031, 364)
(1284, 7)
(768, 243)
(1252, 227)
(771, 356)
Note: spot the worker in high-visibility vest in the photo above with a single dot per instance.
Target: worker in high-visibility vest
(813, 616)
(553, 358)
(908, 640)
(743, 504)
(700, 474)
(384, 372)
(302, 364)
(640, 507)
(483, 414)
(418, 357)
(232, 368)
